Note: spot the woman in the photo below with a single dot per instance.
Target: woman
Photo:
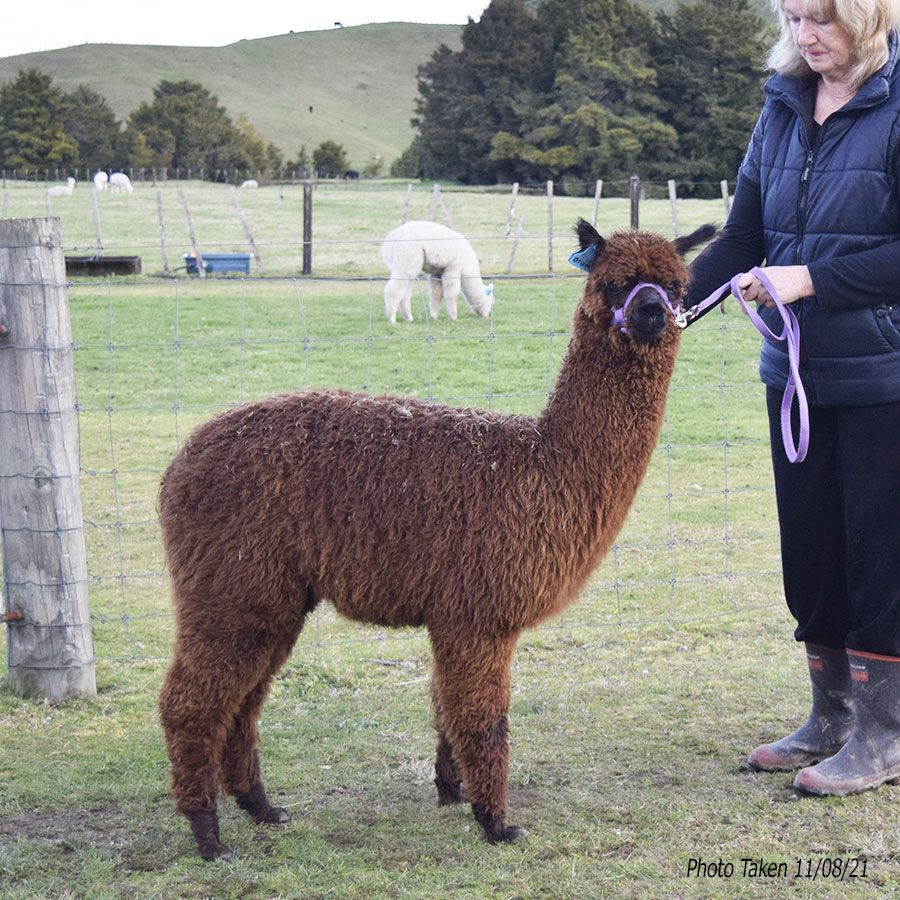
(818, 199)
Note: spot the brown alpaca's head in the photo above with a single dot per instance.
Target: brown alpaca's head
(619, 264)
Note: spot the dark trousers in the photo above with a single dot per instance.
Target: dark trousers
(839, 513)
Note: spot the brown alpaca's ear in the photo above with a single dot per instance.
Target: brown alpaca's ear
(703, 234)
(587, 235)
(591, 246)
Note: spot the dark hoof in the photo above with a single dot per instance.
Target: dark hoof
(274, 815)
(213, 850)
(511, 834)
(496, 831)
(205, 828)
(256, 803)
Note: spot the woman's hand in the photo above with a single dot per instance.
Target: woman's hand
(791, 282)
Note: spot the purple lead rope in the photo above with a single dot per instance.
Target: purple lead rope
(796, 452)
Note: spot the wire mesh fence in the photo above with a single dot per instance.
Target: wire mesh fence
(154, 357)
(153, 361)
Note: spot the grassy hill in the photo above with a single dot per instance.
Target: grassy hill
(356, 86)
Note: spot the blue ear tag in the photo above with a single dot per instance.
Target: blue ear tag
(585, 259)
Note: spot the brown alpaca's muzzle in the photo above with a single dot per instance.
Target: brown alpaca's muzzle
(645, 314)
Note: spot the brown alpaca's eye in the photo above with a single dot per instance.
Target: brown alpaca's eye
(614, 292)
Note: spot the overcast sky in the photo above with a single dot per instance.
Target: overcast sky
(52, 24)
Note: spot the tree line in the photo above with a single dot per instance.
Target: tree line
(182, 127)
(579, 90)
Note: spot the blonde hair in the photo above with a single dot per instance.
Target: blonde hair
(867, 23)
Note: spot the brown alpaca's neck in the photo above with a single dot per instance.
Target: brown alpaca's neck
(599, 431)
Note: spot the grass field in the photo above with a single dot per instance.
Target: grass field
(631, 715)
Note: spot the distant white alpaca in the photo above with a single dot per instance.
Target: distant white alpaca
(120, 183)
(250, 183)
(446, 257)
(62, 190)
(100, 180)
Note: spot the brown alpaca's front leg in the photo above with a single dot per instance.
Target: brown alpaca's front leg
(472, 685)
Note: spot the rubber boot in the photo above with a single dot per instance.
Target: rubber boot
(829, 724)
(871, 757)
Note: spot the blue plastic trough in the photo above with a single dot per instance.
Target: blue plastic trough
(218, 263)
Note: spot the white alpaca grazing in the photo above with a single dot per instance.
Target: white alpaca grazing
(446, 257)
(250, 183)
(101, 179)
(62, 190)
(120, 183)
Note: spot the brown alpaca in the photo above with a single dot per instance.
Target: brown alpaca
(472, 524)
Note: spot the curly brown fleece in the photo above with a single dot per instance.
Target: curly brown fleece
(472, 524)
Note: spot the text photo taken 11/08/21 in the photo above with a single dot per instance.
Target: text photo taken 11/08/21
(834, 868)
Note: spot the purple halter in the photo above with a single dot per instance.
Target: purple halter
(619, 317)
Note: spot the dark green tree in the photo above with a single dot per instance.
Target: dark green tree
(185, 127)
(92, 124)
(604, 120)
(710, 83)
(502, 74)
(409, 163)
(586, 89)
(32, 123)
(330, 160)
(274, 160)
(301, 166)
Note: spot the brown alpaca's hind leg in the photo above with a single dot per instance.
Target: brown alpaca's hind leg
(446, 775)
(472, 683)
(241, 772)
(195, 708)
(210, 701)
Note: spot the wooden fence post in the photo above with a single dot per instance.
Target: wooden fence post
(201, 266)
(634, 192)
(598, 189)
(162, 231)
(549, 226)
(673, 200)
(512, 208)
(307, 228)
(434, 197)
(725, 199)
(515, 246)
(96, 208)
(50, 648)
(405, 213)
(247, 231)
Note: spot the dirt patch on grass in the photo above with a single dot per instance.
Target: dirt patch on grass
(107, 829)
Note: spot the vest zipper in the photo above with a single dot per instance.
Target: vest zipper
(798, 256)
(801, 204)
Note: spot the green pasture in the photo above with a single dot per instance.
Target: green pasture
(631, 715)
(349, 221)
